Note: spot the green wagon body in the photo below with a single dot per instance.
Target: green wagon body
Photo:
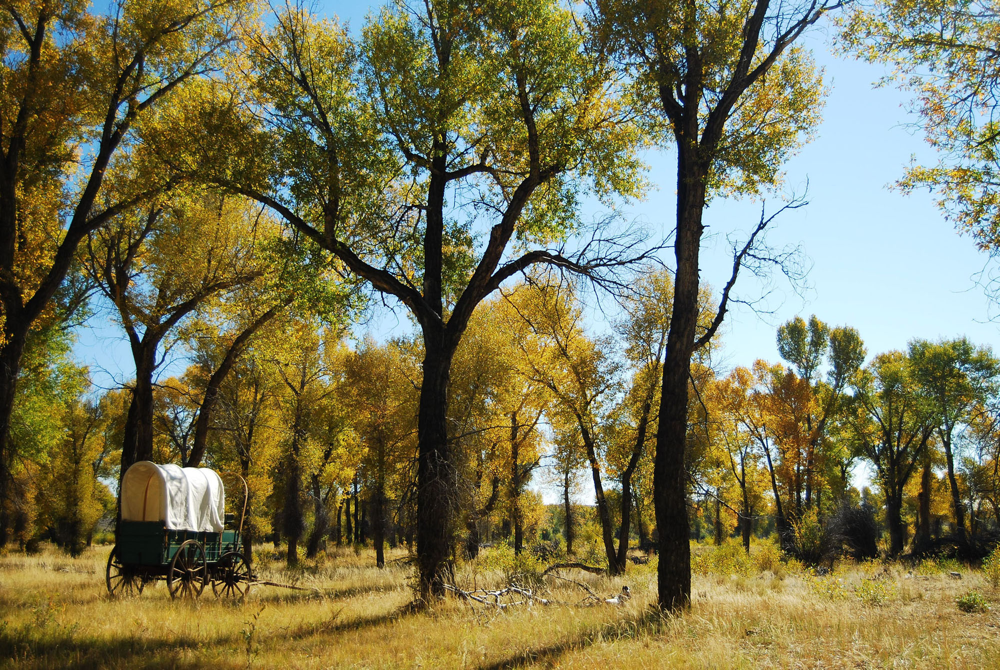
(150, 543)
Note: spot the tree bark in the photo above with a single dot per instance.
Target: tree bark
(746, 520)
(568, 511)
(515, 486)
(894, 520)
(956, 495)
(357, 513)
(626, 482)
(138, 432)
(603, 513)
(10, 367)
(436, 477)
(780, 522)
(348, 525)
(378, 524)
(320, 519)
(669, 469)
(924, 508)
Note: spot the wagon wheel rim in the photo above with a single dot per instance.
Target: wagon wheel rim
(233, 577)
(121, 580)
(186, 575)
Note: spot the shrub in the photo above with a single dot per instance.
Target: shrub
(971, 602)
(991, 567)
(768, 557)
(809, 537)
(855, 529)
(875, 592)
(829, 588)
(524, 569)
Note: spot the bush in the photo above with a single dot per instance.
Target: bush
(855, 529)
(768, 557)
(524, 570)
(875, 592)
(809, 538)
(972, 602)
(991, 568)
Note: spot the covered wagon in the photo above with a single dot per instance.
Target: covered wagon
(173, 528)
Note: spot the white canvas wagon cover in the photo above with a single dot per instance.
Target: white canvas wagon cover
(183, 498)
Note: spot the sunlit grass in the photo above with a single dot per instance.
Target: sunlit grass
(54, 612)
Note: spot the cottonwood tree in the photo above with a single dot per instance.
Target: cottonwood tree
(892, 424)
(808, 348)
(582, 375)
(738, 447)
(723, 86)
(958, 379)
(449, 120)
(158, 264)
(77, 87)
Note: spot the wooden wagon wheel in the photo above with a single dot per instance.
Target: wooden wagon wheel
(122, 580)
(188, 572)
(232, 576)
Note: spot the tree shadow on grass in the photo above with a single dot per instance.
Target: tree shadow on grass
(636, 625)
(64, 650)
(334, 626)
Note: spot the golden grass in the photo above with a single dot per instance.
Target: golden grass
(54, 612)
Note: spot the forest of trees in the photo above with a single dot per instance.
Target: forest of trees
(241, 189)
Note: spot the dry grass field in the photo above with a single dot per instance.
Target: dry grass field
(54, 612)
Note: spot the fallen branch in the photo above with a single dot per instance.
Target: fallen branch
(577, 566)
(287, 586)
(484, 596)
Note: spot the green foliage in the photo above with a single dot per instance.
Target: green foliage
(991, 568)
(937, 566)
(972, 602)
(875, 592)
(829, 588)
(524, 569)
(810, 537)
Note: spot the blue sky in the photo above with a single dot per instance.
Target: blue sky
(884, 263)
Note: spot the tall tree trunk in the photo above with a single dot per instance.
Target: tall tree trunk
(292, 522)
(603, 512)
(363, 525)
(894, 520)
(436, 478)
(291, 515)
(378, 523)
(640, 524)
(357, 513)
(746, 521)
(780, 521)
(138, 432)
(348, 526)
(924, 508)
(515, 486)
(568, 511)
(320, 520)
(626, 482)
(956, 495)
(10, 366)
(339, 529)
(669, 469)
